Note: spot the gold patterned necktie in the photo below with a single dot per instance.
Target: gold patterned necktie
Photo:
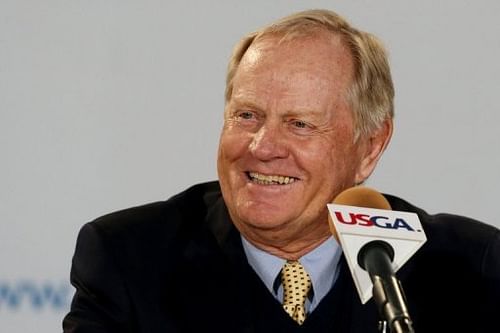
(296, 286)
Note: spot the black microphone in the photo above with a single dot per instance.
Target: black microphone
(376, 258)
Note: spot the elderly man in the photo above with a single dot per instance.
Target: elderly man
(309, 107)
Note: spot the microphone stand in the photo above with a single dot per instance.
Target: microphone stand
(376, 258)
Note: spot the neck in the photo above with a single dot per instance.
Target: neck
(285, 245)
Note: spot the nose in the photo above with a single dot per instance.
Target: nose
(269, 143)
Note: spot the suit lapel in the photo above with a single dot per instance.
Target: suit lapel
(227, 249)
(215, 273)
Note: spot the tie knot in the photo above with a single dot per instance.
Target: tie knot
(296, 286)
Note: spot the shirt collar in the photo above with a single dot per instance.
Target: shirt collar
(321, 264)
(264, 264)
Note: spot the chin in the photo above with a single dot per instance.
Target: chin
(262, 220)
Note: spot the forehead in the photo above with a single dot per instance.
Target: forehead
(327, 48)
(306, 68)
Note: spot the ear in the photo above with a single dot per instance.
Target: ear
(371, 150)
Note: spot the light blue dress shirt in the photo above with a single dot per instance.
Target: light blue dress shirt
(321, 264)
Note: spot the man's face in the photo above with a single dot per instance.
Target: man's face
(287, 148)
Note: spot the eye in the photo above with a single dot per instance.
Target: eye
(247, 119)
(246, 115)
(299, 124)
(301, 127)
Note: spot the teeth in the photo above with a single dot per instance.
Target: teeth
(270, 180)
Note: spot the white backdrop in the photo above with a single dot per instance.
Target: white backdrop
(108, 104)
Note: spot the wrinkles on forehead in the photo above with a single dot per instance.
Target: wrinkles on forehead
(322, 62)
(325, 49)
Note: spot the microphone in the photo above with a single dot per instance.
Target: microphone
(377, 241)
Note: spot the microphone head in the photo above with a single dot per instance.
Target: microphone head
(362, 196)
(359, 196)
(362, 221)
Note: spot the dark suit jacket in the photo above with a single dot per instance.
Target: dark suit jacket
(179, 266)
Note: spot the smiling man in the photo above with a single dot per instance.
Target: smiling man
(309, 108)
(288, 145)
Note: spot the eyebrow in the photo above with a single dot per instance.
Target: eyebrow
(244, 102)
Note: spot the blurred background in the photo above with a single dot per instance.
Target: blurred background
(109, 104)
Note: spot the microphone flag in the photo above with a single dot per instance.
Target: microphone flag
(357, 226)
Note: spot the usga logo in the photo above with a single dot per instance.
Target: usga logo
(366, 220)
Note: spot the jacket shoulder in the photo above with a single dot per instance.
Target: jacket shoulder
(184, 210)
(447, 226)
(456, 239)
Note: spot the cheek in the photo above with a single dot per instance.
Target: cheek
(331, 160)
(232, 146)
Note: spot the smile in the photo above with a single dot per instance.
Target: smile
(270, 179)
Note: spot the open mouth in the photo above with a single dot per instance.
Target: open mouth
(261, 179)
